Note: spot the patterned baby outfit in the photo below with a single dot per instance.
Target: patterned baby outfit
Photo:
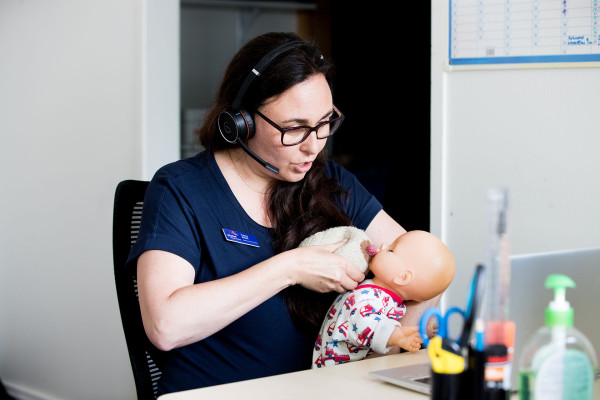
(359, 321)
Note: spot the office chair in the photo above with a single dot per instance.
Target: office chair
(146, 360)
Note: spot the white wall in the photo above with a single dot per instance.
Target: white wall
(161, 121)
(534, 131)
(76, 109)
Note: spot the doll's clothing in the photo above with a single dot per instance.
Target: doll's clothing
(359, 321)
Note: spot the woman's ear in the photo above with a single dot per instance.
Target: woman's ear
(404, 279)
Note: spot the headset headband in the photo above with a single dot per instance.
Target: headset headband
(264, 62)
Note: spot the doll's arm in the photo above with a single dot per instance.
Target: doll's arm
(407, 337)
(372, 329)
(415, 309)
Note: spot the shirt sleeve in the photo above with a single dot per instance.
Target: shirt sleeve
(167, 223)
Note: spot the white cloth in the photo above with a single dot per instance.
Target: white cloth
(355, 250)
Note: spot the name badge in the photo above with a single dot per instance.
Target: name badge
(241, 238)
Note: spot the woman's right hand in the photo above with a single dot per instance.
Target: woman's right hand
(317, 268)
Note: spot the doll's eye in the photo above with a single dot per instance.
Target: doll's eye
(391, 251)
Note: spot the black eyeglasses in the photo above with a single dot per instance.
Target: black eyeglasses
(298, 134)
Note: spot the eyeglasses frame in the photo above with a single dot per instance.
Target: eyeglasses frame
(311, 129)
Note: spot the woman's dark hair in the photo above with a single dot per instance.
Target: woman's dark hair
(294, 67)
(296, 209)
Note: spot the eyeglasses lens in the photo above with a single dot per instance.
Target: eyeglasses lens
(295, 136)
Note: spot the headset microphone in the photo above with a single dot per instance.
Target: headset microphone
(237, 125)
(262, 162)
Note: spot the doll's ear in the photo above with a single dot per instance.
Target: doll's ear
(404, 279)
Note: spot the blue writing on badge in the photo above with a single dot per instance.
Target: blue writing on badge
(239, 237)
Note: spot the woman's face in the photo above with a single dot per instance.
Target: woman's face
(307, 103)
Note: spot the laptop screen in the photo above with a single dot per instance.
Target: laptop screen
(529, 297)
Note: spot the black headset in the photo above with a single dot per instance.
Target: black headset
(237, 125)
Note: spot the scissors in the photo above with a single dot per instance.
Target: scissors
(442, 321)
(446, 353)
(468, 314)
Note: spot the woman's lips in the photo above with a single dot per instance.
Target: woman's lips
(304, 167)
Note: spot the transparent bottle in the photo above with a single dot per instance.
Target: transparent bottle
(558, 362)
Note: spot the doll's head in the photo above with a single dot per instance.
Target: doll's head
(417, 266)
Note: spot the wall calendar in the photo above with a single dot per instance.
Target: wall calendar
(496, 32)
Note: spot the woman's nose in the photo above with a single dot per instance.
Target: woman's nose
(312, 144)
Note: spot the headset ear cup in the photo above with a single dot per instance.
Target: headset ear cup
(235, 125)
(249, 125)
(228, 126)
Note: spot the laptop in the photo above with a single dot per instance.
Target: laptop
(528, 301)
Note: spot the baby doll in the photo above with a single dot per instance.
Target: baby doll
(416, 266)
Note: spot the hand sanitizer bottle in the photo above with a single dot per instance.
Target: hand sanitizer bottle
(558, 362)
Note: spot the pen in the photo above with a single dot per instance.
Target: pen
(479, 340)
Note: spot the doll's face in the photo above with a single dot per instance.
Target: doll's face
(416, 265)
(390, 267)
(388, 258)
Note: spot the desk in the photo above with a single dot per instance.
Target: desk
(349, 380)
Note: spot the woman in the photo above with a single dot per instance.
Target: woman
(222, 284)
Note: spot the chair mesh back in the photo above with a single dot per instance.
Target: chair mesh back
(146, 360)
(134, 230)
(155, 374)
(136, 219)
(153, 369)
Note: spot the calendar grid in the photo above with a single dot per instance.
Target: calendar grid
(523, 31)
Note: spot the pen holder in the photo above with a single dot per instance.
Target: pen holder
(474, 375)
(447, 386)
(447, 369)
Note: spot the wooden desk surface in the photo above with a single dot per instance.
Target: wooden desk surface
(350, 380)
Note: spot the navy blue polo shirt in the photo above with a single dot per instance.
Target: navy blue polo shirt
(187, 205)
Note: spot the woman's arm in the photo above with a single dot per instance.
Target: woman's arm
(383, 229)
(177, 312)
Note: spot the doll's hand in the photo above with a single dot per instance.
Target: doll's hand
(407, 337)
(432, 327)
(318, 268)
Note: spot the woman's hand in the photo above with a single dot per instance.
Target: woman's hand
(168, 293)
(317, 268)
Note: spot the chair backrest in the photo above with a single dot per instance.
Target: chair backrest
(146, 360)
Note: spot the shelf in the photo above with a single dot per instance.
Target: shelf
(274, 4)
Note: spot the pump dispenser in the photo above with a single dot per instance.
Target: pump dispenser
(558, 362)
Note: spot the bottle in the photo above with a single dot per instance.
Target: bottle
(558, 362)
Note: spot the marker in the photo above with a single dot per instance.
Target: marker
(479, 338)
